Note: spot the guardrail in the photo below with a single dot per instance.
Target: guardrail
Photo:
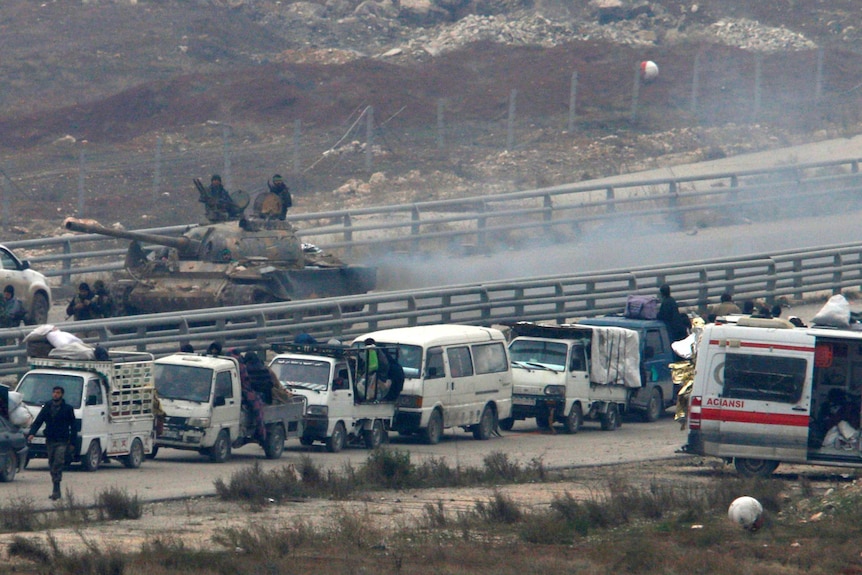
(479, 221)
(560, 298)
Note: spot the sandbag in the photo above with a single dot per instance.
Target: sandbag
(20, 417)
(834, 313)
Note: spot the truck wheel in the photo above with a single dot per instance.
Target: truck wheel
(335, 443)
(507, 424)
(434, 431)
(153, 453)
(487, 424)
(136, 455)
(573, 422)
(220, 451)
(10, 467)
(274, 445)
(654, 407)
(93, 457)
(754, 467)
(373, 437)
(610, 419)
(38, 310)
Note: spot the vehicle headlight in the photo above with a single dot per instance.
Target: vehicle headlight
(555, 390)
(410, 401)
(199, 422)
(318, 410)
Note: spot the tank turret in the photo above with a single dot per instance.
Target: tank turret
(239, 262)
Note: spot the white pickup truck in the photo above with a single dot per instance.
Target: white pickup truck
(201, 397)
(113, 403)
(338, 412)
(569, 373)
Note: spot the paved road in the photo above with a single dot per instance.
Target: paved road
(184, 473)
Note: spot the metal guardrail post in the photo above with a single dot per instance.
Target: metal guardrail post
(837, 273)
(519, 296)
(481, 235)
(854, 167)
(547, 212)
(674, 215)
(797, 277)
(560, 306)
(348, 233)
(411, 307)
(733, 197)
(66, 278)
(486, 307)
(415, 228)
(609, 196)
(703, 293)
(772, 280)
(446, 315)
(590, 288)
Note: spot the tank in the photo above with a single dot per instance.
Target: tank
(228, 263)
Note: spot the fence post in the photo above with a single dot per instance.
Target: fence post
(589, 289)
(369, 138)
(560, 305)
(446, 315)
(609, 196)
(573, 100)
(225, 134)
(519, 297)
(674, 215)
(703, 293)
(758, 71)
(510, 128)
(157, 169)
(547, 212)
(636, 93)
(695, 83)
(441, 127)
(297, 142)
(797, 278)
(81, 177)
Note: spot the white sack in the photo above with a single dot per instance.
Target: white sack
(684, 347)
(15, 400)
(834, 313)
(20, 417)
(74, 350)
(39, 332)
(59, 338)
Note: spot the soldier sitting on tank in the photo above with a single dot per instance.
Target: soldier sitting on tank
(81, 305)
(103, 303)
(220, 206)
(278, 187)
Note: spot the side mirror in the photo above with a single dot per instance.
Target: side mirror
(25, 265)
(92, 400)
(219, 401)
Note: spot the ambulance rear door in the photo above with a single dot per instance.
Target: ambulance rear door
(763, 395)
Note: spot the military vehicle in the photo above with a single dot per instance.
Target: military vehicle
(244, 261)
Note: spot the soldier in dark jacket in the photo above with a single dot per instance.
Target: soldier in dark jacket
(279, 188)
(81, 306)
(60, 434)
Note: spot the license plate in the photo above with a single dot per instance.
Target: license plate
(170, 435)
(523, 401)
(38, 441)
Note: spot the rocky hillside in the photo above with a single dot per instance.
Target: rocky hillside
(119, 74)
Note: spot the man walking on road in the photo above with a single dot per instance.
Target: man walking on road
(59, 419)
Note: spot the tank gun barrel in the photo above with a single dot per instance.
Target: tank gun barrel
(183, 244)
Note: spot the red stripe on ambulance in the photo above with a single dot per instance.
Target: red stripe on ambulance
(760, 345)
(757, 417)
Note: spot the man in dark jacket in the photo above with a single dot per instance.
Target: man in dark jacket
(60, 433)
(81, 306)
(668, 312)
(279, 188)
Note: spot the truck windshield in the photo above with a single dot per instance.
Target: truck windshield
(187, 382)
(546, 353)
(302, 373)
(36, 388)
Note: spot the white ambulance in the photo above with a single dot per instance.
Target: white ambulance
(765, 391)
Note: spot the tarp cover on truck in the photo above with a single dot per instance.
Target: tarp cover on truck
(614, 351)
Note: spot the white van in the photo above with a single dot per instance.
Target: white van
(765, 392)
(454, 376)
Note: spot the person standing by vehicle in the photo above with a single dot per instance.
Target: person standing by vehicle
(60, 433)
(668, 312)
(81, 306)
(13, 311)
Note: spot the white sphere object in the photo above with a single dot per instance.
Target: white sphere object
(649, 70)
(747, 512)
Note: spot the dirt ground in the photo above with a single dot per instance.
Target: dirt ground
(114, 78)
